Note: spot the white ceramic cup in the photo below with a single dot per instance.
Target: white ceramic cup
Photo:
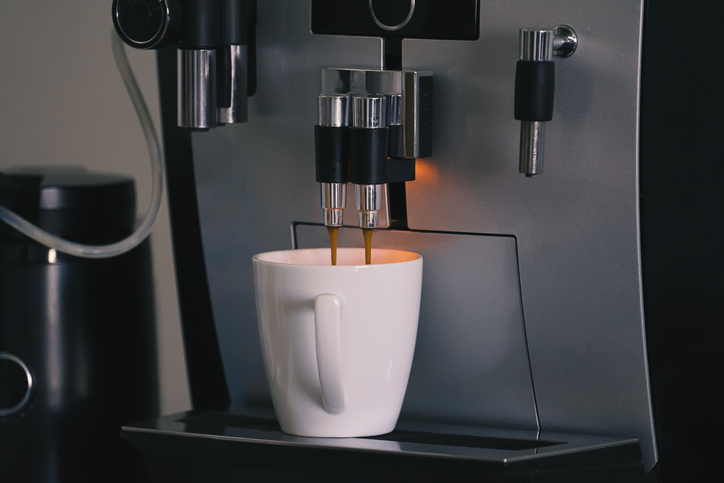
(337, 340)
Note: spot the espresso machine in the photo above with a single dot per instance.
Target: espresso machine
(520, 147)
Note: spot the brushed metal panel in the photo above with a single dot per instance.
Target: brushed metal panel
(577, 224)
(471, 360)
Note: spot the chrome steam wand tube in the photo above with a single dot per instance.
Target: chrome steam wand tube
(535, 46)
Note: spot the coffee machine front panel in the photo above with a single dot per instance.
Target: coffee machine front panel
(577, 224)
(563, 246)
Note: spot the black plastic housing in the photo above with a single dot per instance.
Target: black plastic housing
(200, 26)
(535, 83)
(331, 147)
(85, 329)
(369, 155)
(233, 27)
(395, 141)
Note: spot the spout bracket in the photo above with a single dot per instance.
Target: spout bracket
(414, 90)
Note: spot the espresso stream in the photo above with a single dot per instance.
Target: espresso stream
(368, 245)
(334, 233)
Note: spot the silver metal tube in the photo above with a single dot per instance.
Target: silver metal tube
(394, 110)
(197, 88)
(368, 198)
(334, 200)
(334, 110)
(531, 148)
(536, 45)
(369, 112)
(237, 111)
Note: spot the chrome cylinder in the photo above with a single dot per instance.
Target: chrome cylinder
(334, 111)
(369, 112)
(536, 45)
(237, 110)
(394, 109)
(531, 148)
(197, 88)
(334, 199)
(368, 198)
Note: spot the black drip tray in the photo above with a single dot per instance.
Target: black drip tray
(463, 441)
(249, 445)
(227, 420)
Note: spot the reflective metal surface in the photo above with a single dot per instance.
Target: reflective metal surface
(368, 198)
(509, 447)
(334, 200)
(394, 109)
(565, 41)
(197, 88)
(369, 112)
(334, 110)
(532, 142)
(536, 45)
(237, 85)
(577, 250)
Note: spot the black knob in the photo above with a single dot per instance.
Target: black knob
(147, 24)
(16, 384)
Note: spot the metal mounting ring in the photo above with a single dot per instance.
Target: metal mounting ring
(392, 28)
(565, 41)
(30, 384)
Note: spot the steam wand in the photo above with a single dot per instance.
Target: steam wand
(535, 89)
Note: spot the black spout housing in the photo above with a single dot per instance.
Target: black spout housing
(332, 149)
(369, 155)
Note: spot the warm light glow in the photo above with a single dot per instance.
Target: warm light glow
(425, 170)
(52, 256)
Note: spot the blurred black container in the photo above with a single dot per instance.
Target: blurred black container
(77, 336)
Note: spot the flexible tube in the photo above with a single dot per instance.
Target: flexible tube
(154, 149)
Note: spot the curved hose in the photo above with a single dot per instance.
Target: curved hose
(118, 248)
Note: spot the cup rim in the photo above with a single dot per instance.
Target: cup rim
(259, 257)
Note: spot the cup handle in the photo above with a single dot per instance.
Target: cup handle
(327, 316)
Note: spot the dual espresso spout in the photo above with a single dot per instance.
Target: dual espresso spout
(372, 126)
(354, 138)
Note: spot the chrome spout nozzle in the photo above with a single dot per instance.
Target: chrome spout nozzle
(334, 199)
(368, 198)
